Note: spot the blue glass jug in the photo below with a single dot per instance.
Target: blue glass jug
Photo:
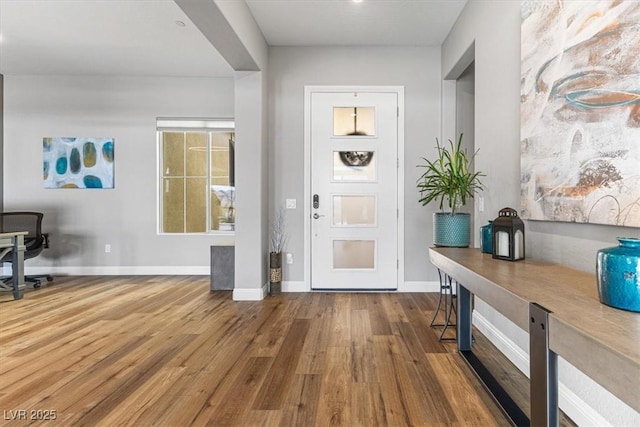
(486, 241)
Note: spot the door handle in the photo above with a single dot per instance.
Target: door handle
(316, 215)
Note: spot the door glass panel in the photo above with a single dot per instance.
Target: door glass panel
(354, 210)
(354, 121)
(354, 166)
(354, 254)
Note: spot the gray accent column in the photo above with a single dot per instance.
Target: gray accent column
(543, 370)
(222, 268)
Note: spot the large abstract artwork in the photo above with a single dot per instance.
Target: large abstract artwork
(580, 111)
(77, 162)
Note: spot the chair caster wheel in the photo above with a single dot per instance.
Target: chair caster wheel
(36, 286)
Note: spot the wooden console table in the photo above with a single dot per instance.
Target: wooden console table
(14, 242)
(559, 307)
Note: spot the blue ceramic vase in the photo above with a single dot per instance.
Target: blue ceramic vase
(617, 271)
(452, 230)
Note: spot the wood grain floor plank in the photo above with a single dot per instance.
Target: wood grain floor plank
(129, 383)
(340, 335)
(393, 309)
(418, 330)
(133, 406)
(367, 405)
(462, 395)
(377, 316)
(314, 350)
(363, 361)
(260, 418)
(386, 350)
(301, 405)
(272, 392)
(164, 351)
(230, 408)
(334, 406)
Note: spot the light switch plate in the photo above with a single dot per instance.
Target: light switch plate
(291, 203)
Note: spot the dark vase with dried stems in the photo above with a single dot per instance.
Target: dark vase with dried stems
(278, 243)
(275, 273)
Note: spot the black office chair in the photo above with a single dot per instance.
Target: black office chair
(35, 241)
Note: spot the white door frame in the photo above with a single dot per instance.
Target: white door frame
(308, 90)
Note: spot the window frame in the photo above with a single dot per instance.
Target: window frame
(209, 126)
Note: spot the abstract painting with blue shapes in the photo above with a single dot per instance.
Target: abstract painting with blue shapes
(72, 162)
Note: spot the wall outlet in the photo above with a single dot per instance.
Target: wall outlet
(289, 258)
(107, 248)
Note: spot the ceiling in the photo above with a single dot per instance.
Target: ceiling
(141, 37)
(347, 23)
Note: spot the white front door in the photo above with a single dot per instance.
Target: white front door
(354, 181)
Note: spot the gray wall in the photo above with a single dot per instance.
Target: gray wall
(251, 187)
(81, 222)
(291, 68)
(1, 142)
(494, 28)
(465, 125)
(233, 31)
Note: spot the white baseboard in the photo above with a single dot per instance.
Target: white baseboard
(421, 286)
(301, 286)
(574, 407)
(514, 353)
(247, 294)
(295, 286)
(115, 270)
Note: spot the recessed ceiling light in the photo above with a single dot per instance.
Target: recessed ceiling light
(357, 1)
(180, 24)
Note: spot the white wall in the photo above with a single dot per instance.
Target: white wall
(494, 27)
(291, 68)
(81, 222)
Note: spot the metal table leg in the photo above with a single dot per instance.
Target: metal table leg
(446, 301)
(464, 318)
(543, 370)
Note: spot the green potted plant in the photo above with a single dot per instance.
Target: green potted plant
(449, 181)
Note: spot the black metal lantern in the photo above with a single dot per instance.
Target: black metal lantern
(508, 236)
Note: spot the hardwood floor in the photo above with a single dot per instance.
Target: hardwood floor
(163, 350)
